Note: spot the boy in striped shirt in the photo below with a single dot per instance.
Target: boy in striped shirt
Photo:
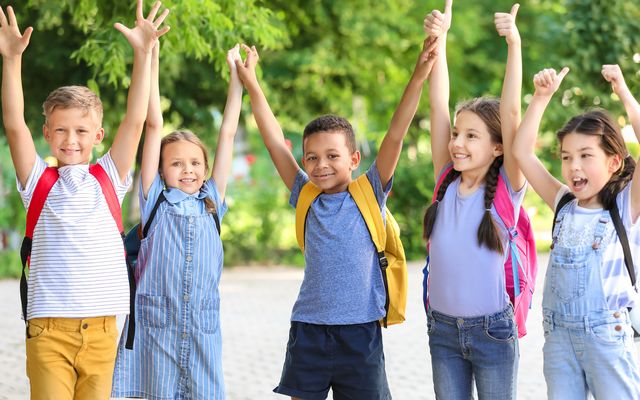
(78, 279)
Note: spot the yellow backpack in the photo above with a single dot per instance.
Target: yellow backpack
(386, 238)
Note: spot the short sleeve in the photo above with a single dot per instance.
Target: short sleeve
(298, 183)
(26, 192)
(110, 168)
(374, 178)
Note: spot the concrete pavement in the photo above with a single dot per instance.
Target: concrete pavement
(256, 305)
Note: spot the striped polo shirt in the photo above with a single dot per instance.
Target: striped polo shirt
(77, 266)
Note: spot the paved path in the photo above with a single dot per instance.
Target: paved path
(256, 304)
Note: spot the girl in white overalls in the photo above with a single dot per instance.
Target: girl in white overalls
(177, 352)
(587, 293)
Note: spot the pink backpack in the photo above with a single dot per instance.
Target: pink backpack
(521, 266)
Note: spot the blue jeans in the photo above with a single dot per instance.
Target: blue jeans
(482, 348)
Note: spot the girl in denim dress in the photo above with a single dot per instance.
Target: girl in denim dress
(587, 293)
(178, 344)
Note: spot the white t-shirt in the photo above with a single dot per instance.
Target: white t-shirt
(77, 266)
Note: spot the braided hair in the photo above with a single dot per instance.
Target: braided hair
(488, 109)
(599, 123)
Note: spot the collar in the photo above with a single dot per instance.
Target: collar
(175, 195)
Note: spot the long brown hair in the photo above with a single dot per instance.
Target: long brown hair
(188, 136)
(488, 109)
(599, 123)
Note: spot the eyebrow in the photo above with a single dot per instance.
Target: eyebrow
(586, 148)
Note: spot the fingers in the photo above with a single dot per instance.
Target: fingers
(433, 23)
(121, 28)
(563, 73)
(12, 17)
(514, 10)
(139, 14)
(153, 11)
(161, 18)
(26, 36)
(611, 72)
(3, 18)
(162, 31)
(447, 6)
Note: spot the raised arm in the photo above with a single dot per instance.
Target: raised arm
(511, 93)
(546, 83)
(391, 145)
(153, 126)
(142, 39)
(268, 125)
(437, 24)
(613, 74)
(229, 126)
(12, 45)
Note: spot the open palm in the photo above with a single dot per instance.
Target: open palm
(144, 35)
(12, 43)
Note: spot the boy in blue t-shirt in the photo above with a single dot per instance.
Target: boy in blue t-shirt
(335, 340)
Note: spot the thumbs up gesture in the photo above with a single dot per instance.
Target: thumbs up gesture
(506, 25)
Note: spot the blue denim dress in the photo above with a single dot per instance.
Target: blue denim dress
(177, 348)
(588, 347)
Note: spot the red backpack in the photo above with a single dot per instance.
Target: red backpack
(48, 178)
(521, 266)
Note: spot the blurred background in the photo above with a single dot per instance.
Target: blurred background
(351, 58)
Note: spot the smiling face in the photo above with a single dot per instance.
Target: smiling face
(71, 134)
(586, 168)
(471, 147)
(328, 161)
(183, 166)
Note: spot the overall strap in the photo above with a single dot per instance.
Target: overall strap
(48, 178)
(114, 207)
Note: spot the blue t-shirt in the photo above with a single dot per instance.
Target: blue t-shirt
(342, 281)
(465, 279)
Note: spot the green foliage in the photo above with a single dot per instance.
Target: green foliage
(10, 264)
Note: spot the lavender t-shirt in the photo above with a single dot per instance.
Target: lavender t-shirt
(466, 280)
(342, 282)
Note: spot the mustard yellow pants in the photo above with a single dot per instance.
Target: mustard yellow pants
(71, 358)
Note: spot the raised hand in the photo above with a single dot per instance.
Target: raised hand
(12, 43)
(427, 58)
(247, 70)
(437, 23)
(506, 25)
(233, 56)
(547, 81)
(144, 35)
(613, 74)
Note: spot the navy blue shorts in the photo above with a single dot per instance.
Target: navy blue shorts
(346, 358)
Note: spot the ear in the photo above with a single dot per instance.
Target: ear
(355, 160)
(615, 163)
(45, 132)
(498, 150)
(99, 136)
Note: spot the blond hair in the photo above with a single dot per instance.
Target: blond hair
(73, 97)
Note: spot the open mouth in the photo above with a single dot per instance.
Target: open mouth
(579, 183)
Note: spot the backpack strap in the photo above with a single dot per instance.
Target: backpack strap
(624, 241)
(506, 211)
(142, 233)
(365, 198)
(48, 178)
(114, 207)
(307, 195)
(564, 200)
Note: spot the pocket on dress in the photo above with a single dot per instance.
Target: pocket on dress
(209, 315)
(152, 311)
(568, 281)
